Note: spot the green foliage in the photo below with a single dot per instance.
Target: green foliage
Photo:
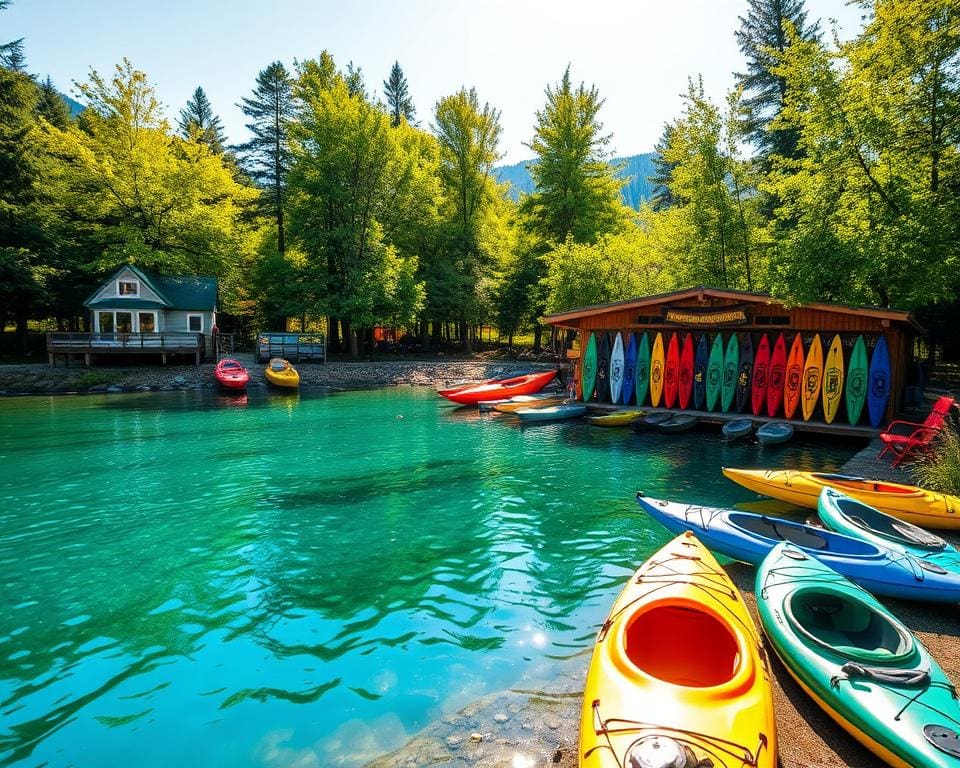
(51, 106)
(618, 266)
(577, 193)
(940, 469)
(399, 104)
(199, 123)
(876, 186)
(11, 53)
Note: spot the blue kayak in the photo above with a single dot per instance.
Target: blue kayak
(748, 537)
(846, 515)
(737, 428)
(552, 413)
(774, 433)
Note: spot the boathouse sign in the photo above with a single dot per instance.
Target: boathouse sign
(712, 316)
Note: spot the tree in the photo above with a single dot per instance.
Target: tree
(763, 39)
(198, 122)
(128, 190)
(661, 197)
(870, 212)
(51, 106)
(11, 54)
(469, 136)
(266, 156)
(399, 103)
(348, 172)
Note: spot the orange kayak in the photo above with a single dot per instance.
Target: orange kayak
(678, 676)
(528, 384)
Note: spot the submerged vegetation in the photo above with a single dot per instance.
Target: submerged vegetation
(831, 172)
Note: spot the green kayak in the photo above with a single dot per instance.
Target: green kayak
(588, 368)
(731, 366)
(858, 662)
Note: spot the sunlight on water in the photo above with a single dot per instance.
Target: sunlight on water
(191, 578)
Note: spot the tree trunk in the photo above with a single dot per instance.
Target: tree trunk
(333, 333)
(355, 345)
(465, 337)
(537, 336)
(425, 334)
(23, 340)
(437, 333)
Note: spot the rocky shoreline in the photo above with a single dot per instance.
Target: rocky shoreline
(41, 379)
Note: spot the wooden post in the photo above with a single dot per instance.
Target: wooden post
(87, 359)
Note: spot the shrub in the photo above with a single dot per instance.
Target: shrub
(939, 470)
(93, 379)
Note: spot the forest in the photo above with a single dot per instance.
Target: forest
(831, 172)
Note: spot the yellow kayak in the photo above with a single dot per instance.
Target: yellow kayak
(526, 401)
(678, 676)
(280, 373)
(618, 419)
(906, 502)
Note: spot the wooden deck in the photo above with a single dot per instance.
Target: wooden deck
(836, 429)
(90, 344)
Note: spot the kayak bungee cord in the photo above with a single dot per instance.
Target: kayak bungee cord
(889, 681)
(713, 745)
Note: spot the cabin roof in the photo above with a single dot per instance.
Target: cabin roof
(182, 292)
(702, 291)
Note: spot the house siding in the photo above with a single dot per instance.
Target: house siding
(109, 291)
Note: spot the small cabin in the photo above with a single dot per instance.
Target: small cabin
(138, 312)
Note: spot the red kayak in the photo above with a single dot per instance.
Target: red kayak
(231, 374)
(529, 384)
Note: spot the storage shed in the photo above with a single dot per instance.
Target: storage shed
(757, 319)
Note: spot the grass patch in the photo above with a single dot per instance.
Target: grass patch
(939, 470)
(94, 379)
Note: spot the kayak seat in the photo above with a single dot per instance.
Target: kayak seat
(682, 645)
(847, 626)
(782, 530)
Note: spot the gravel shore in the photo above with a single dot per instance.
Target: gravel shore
(42, 379)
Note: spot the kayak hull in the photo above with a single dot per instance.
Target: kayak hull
(619, 419)
(528, 384)
(906, 502)
(230, 374)
(679, 654)
(833, 637)
(552, 412)
(285, 377)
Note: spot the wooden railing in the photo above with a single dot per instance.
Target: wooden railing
(173, 342)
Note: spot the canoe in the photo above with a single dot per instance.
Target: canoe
(832, 380)
(616, 368)
(749, 537)
(656, 370)
(588, 369)
(715, 372)
(641, 374)
(618, 419)
(528, 384)
(775, 433)
(793, 380)
(878, 382)
(603, 368)
(856, 389)
(685, 381)
(281, 374)
(526, 401)
(700, 373)
(671, 372)
(858, 662)
(651, 420)
(681, 422)
(552, 412)
(775, 379)
(761, 376)
(678, 672)
(230, 374)
(461, 385)
(844, 514)
(744, 373)
(812, 378)
(736, 428)
(905, 502)
(731, 363)
(629, 370)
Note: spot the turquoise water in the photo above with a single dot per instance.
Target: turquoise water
(193, 579)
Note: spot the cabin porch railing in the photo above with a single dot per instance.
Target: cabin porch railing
(89, 344)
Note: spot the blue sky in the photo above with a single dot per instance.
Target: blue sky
(639, 54)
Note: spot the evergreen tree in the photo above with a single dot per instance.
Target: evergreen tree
(763, 39)
(51, 106)
(354, 81)
(399, 103)
(661, 194)
(11, 54)
(267, 155)
(198, 121)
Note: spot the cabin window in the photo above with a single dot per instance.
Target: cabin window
(195, 323)
(106, 322)
(124, 322)
(128, 287)
(147, 321)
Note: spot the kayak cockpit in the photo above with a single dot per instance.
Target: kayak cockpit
(803, 536)
(870, 519)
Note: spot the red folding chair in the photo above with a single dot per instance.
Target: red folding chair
(910, 438)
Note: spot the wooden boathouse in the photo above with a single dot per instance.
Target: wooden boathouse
(711, 311)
